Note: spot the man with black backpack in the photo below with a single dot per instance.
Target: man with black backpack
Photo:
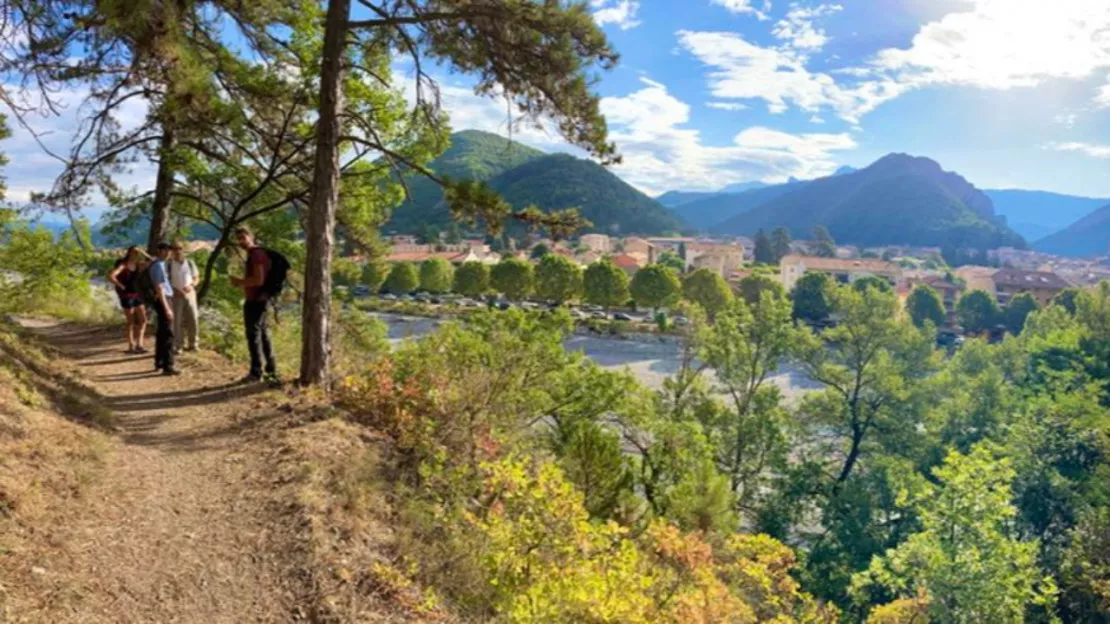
(155, 288)
(262, 282)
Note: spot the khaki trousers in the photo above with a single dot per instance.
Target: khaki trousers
(185, 326)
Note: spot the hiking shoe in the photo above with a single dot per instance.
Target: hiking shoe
(251, 378)
(272, 379)
(141, 350)
(171, 372)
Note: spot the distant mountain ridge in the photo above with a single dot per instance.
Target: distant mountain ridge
(1038, 214)
(526, 176)
(1089, 236)
(899, 199)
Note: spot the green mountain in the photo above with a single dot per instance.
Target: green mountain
(563, 181)
(706, 213)
(1089, 236)
(899, 199)
(526, 176)
(1037, 214)
(473, 155)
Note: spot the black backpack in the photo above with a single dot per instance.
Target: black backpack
(144, 283)
(276, 276)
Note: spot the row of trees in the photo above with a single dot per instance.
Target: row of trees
(557, 279)
(772, 249)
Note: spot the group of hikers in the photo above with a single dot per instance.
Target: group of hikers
(165, 285)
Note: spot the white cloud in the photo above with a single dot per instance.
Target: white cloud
(661, 154)
(742, 70)
(798, 28)
(1090, 149)
(816, 119)
(1102, 99)
(989, 44)
(744, 6)
(1066, 119)
(621, 13)
(1002, 44)
(729, 106)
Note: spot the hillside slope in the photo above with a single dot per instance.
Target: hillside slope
(1037, 214)
(1089, 236)
(563, 181)
(707, 213)
(899, 199)
(473, 155)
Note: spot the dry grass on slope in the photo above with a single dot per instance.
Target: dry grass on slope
(48, 454)
(338, 469)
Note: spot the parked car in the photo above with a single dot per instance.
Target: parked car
(361, 291)
(504, 305)
(621, 316)
(600, 315)
(389, 297)
(681, 320)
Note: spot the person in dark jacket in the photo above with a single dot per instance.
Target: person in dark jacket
(255, 304)
(163, 307)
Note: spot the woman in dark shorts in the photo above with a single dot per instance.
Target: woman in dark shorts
(124, 276)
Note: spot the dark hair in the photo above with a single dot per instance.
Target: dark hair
(127, 254)
(242, 229)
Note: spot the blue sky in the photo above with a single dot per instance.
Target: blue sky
(1009, 93)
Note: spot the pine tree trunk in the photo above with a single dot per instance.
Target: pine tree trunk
(320, 226)
(160, 211)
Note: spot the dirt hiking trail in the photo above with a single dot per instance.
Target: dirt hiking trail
(185, 522)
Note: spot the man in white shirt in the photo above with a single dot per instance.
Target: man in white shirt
(184, 279)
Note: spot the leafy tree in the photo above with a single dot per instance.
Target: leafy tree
(403, 278)
(655, 286)
(52, 278)
(753, 286)
(672, 261)
(826, 246)
(547, 78)
(346, 272)
(513, 278)
(453, 234)
(977, 312)
(1017, 310)
(436, 275)
(707, 289)
(812, 297)
(780, 243)
(966, 559)
(871, 281)
(924, 304)
(428, 235)
(539, 251)
(374, 274)
(1066, 299)
(764, 253)
(558, 279)
(472, 279)
(874, 360)
(605, 284)
(745, 346)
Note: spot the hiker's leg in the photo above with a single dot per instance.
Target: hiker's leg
(178, 322)
(140, 323)
(129, 314)
(163, 353)
(192, 321)
(252, 316)
(267, 348)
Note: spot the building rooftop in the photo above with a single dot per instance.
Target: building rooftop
(1019, 278)
(842, 264)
